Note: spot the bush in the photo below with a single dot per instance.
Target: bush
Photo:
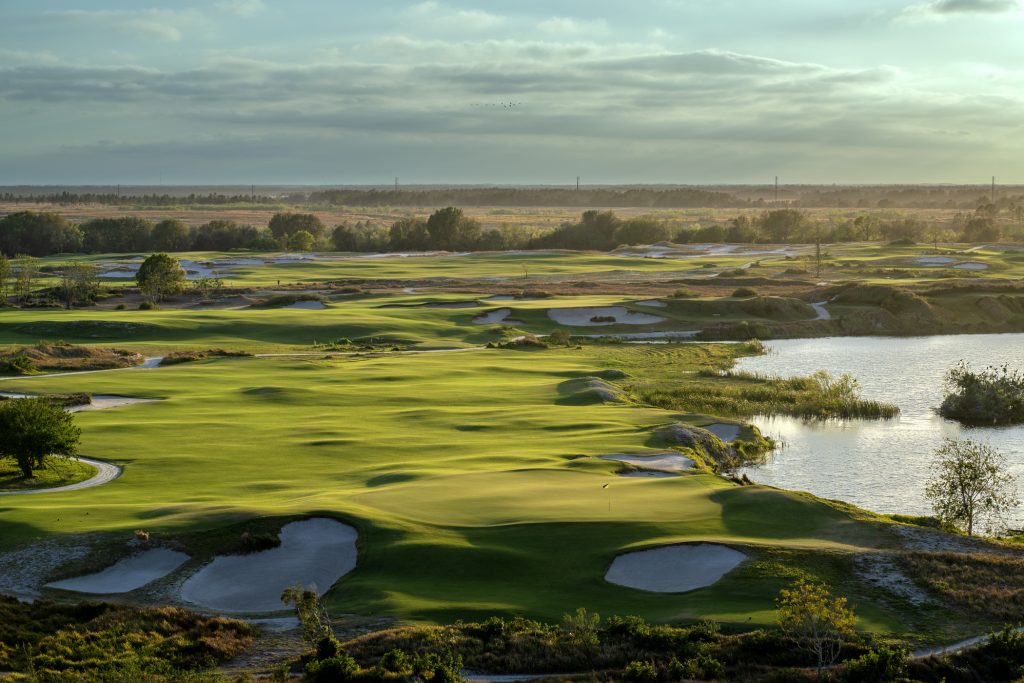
(744, 293)
(640, 672)
(147, 306)
(334, 670)
(327, 648)
(560, 337)
(603, 319)
(120, 307)
(683, 293)
(878, 666)
(396, 662)
(19, 365)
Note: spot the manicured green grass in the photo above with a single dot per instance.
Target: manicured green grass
(473, 487)
(56, 472)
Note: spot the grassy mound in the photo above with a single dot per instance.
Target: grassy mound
(282, 300)
(45, 357)
(178, 357)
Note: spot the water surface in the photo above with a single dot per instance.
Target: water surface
(881, 465)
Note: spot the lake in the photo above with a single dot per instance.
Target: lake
(881, 465)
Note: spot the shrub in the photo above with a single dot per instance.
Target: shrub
(560, 337)
(334, 670)
(327, 648)
(396, 662)
(147, 306)
(878, 666)
(640, 672)
(744, 293)
(19, 365)
(120, 307)
(603, 319)
(683, 293)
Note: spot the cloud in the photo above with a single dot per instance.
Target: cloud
(244, 8)
(442, 16)
(567, 26)
(945, 9)
(582, 103)
(148, 24)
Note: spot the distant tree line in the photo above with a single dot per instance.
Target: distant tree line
(28, 233)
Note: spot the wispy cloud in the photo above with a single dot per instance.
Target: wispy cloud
(567, 26)
(148, 24)
(946, 9)
(442, 16)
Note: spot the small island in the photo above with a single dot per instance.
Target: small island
(992, 396)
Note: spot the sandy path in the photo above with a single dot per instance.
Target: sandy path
(105, 474)
(822, 312)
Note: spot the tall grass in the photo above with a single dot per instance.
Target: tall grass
(743, 394)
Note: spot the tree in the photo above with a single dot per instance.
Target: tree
(37, 234)
(408, 234)
(32, 429)
(79, 282)
(207, 287)
(981, 229)
(26, 273)
(301, 241)
(969, 484)
(160, 276)
(817, 621)
(284, 225)
(5, 278)
(171, 235)
(642, 231)
(444, 227)
(782, 224)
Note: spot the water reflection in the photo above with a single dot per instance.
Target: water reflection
(880, 464)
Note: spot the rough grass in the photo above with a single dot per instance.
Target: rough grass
(61, 357)
(89, 642)
(988, 585)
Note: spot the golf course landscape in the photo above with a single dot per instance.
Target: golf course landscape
(428, 439)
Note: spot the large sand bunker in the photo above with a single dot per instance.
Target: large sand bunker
(314, 553)
(583, 317)
(667, 462)
(674, 568)
(127, 575)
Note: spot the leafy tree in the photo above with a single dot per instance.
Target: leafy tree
(207, 287)
(171, 235)
(284, 225)
(6, 272)
(450, 229)
(32, 429)
(27, 270)
(815, 620)
(344, 238)
(301, 241)
(79, 283)
(120, 235)
(781, 224)
(581, 627)
(981, 229)
(642, 231)
(37, 234)
(970, 483)
(408, 234)
(160, 276)
(310, 610)
(221, 235)
(993, 395)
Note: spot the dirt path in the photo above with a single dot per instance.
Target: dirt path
(105, 473)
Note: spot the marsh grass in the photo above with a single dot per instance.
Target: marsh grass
(985, 584)
(743, 394)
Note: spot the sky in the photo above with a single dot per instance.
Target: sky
(526, 92)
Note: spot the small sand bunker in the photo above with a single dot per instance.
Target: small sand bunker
(128, 574)
(494, 317)
(674, 568)
(451, 304)
(307, 305)
(724, 431)
(653, 303)
(314, 553)
(645, 474)
(971, 265)
(610, 315)
(666, 462)
(104, 401)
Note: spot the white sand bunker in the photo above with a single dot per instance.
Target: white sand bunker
(307, 305)
(653, 303)
(105, 401)
(128, 574)
(674, 568)
(971, 265)
(667, 462)
(493, 317)
(617, 315)
(724, 431)
(648, 474)
(314, 553)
